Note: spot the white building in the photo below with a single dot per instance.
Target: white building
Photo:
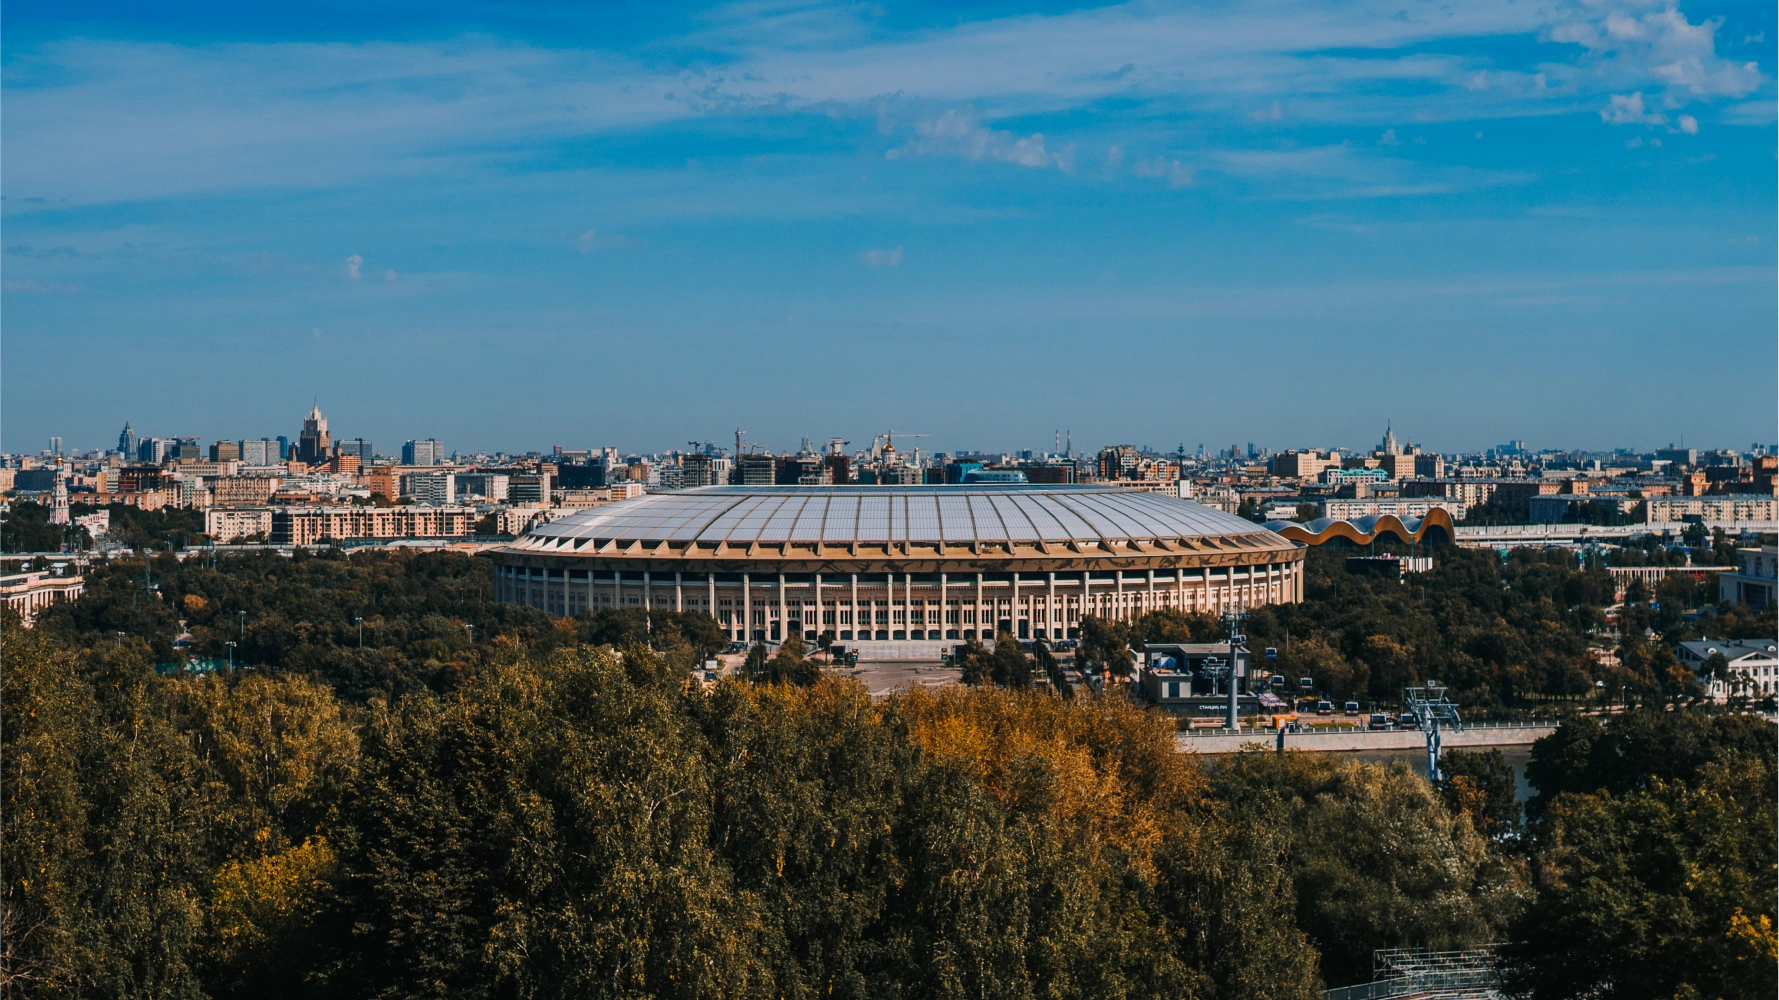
(431, 487)
(225, 524)
(1347, 510)
(1731, 509)
(1756, 580)
(1753, 670)
(427, 452)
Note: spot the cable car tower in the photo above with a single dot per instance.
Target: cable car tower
(1429, 707)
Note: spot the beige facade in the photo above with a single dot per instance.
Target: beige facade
(225, 524)
(314, 525)
(29, 593)
(227, 490)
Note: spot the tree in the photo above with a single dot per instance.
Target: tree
(1480, 785)
(1105, 643)
(1046, 661)
(973, 660)
(1008, 666)
(1662, 892)
(1376, 857)
(788, 665)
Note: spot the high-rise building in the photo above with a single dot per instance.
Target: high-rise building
(529, 489)
(55, 446)
(126, 442)
(427, 452)
(698, 470)
(260, 451)
(188, 449)
(753, 470)
(432, 487)
(283, 448)
(314, 443)
(359, 447)
(154, 451)
(225, 451)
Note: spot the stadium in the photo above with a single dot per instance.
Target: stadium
(900, 564)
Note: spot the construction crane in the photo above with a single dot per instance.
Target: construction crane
(1429, 707)
(837, 446)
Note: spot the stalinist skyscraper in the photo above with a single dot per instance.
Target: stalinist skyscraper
(313, 444)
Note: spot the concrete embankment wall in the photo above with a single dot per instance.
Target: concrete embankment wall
(1406, 739)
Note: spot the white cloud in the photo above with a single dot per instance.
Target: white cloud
(388, 275)
(354, 265)
(1659, 44)
(1177, 173)
(1627, 109)
(959, 132)
(1633, 143)
(1688, 124)
(584, 242)
(1388, 138)
(882, 258)
(100, 120)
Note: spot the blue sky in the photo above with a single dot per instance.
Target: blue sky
(1283, 222)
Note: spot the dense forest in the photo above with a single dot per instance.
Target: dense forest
(541, 807)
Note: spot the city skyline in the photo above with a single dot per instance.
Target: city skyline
(1062, 442)
(1142, 222)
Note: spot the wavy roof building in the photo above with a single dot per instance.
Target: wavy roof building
(900, 563)
(1364, 530)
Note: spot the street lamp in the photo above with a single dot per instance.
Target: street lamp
(360, 622)
(231, 647)
(472, 634)
(243, 615)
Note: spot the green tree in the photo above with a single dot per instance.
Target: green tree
(1047, 662)
(1664, 892)
(1376, 858)
(1105, 644)
(1480, 784)
(1008, 666)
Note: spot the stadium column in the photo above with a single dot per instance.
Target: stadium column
(855, 607)
(892, 609)
(784, 613)
(747, 609)
(648, 594)
(589, 589)
(944, 609)
(908, 597)
(617, 587)
(1118, 611)
(1179, 589)
(1050, 613)
(979, 634)
(818, 605)
(679, 591)
(710, 581)
(1013, 616)
(1149, 600)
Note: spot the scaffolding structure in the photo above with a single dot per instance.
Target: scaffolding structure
(1423, 974)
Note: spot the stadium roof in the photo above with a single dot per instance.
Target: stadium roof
(846, 515)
